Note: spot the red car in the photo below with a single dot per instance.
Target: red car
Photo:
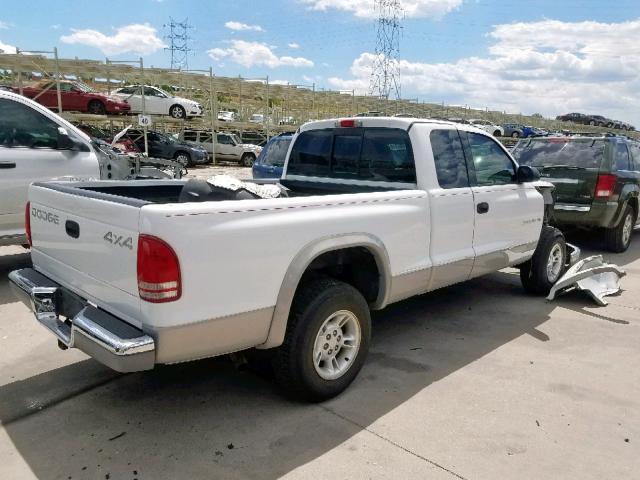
(75, 96)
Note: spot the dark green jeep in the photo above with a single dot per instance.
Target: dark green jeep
(597, 181)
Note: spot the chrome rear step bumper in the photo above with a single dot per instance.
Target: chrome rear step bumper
(104, 337)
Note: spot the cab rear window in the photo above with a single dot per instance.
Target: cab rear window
(372, 154)
(560, 152)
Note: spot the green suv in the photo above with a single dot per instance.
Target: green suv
(597, 181)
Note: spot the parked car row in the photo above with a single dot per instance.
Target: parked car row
(595, 120)
(79, 97)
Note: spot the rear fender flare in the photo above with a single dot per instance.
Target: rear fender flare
(302, 261)
(628, 193)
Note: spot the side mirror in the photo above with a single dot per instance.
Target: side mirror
(527, 174)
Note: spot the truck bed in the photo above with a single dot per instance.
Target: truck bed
(85, 237)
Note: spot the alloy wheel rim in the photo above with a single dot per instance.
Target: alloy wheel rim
(337, 344)
(176, 112)
(554, 263)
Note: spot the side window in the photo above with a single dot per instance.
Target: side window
(225, 140)
(311, 154)
(491, 164)
(64, 87)
(448, 155)
(22, 126)
(621, 157)
(150, 92)
(387, 156)
(191, 136)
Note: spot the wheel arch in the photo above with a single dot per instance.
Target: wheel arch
(306, 257)
(630, 197)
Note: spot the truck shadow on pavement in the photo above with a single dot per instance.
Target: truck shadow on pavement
(209, 419)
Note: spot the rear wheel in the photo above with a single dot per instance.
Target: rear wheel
(618, 238)
(96, 107)
(184, 158)
(326, 342)
(247, 160)
(515, 134)
(547, 265)
(592, 123)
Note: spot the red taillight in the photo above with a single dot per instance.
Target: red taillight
(605, 186)
(158, 271)
(27, 222)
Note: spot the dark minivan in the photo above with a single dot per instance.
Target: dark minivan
(597, 182)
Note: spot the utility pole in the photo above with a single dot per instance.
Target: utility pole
(385, 74)
(178, 37)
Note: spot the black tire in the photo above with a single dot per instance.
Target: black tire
(592, 123)
(497, 133)
(184, 158)
(247, 160)
(293, 362)
(616, 239)
(534, 274)
(96, 107)
(178, 111)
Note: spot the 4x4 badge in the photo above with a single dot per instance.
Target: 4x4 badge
(119, 240)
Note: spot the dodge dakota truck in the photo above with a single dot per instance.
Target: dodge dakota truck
(371, 211)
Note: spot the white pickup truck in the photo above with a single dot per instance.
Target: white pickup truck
(376, 210)
(36, 144)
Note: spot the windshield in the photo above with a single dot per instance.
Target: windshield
(83, 87)
(275, 153)
(236, 138)
(560, 152)
(167, 138)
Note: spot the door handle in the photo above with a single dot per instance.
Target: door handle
(483, 207)
(7, 164)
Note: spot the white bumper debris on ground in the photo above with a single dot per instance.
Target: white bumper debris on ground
(592, 275)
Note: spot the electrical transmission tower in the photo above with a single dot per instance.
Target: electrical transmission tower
(178, 37)
(385, 74)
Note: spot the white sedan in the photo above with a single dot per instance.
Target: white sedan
(489, 127)
(159, 102)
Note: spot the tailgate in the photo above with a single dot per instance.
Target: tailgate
(87, 244)
(573, 185)
(572, 164)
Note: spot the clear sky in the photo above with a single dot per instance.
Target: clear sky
(537, 56)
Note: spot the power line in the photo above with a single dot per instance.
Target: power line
(385, 74)
(178, 37)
